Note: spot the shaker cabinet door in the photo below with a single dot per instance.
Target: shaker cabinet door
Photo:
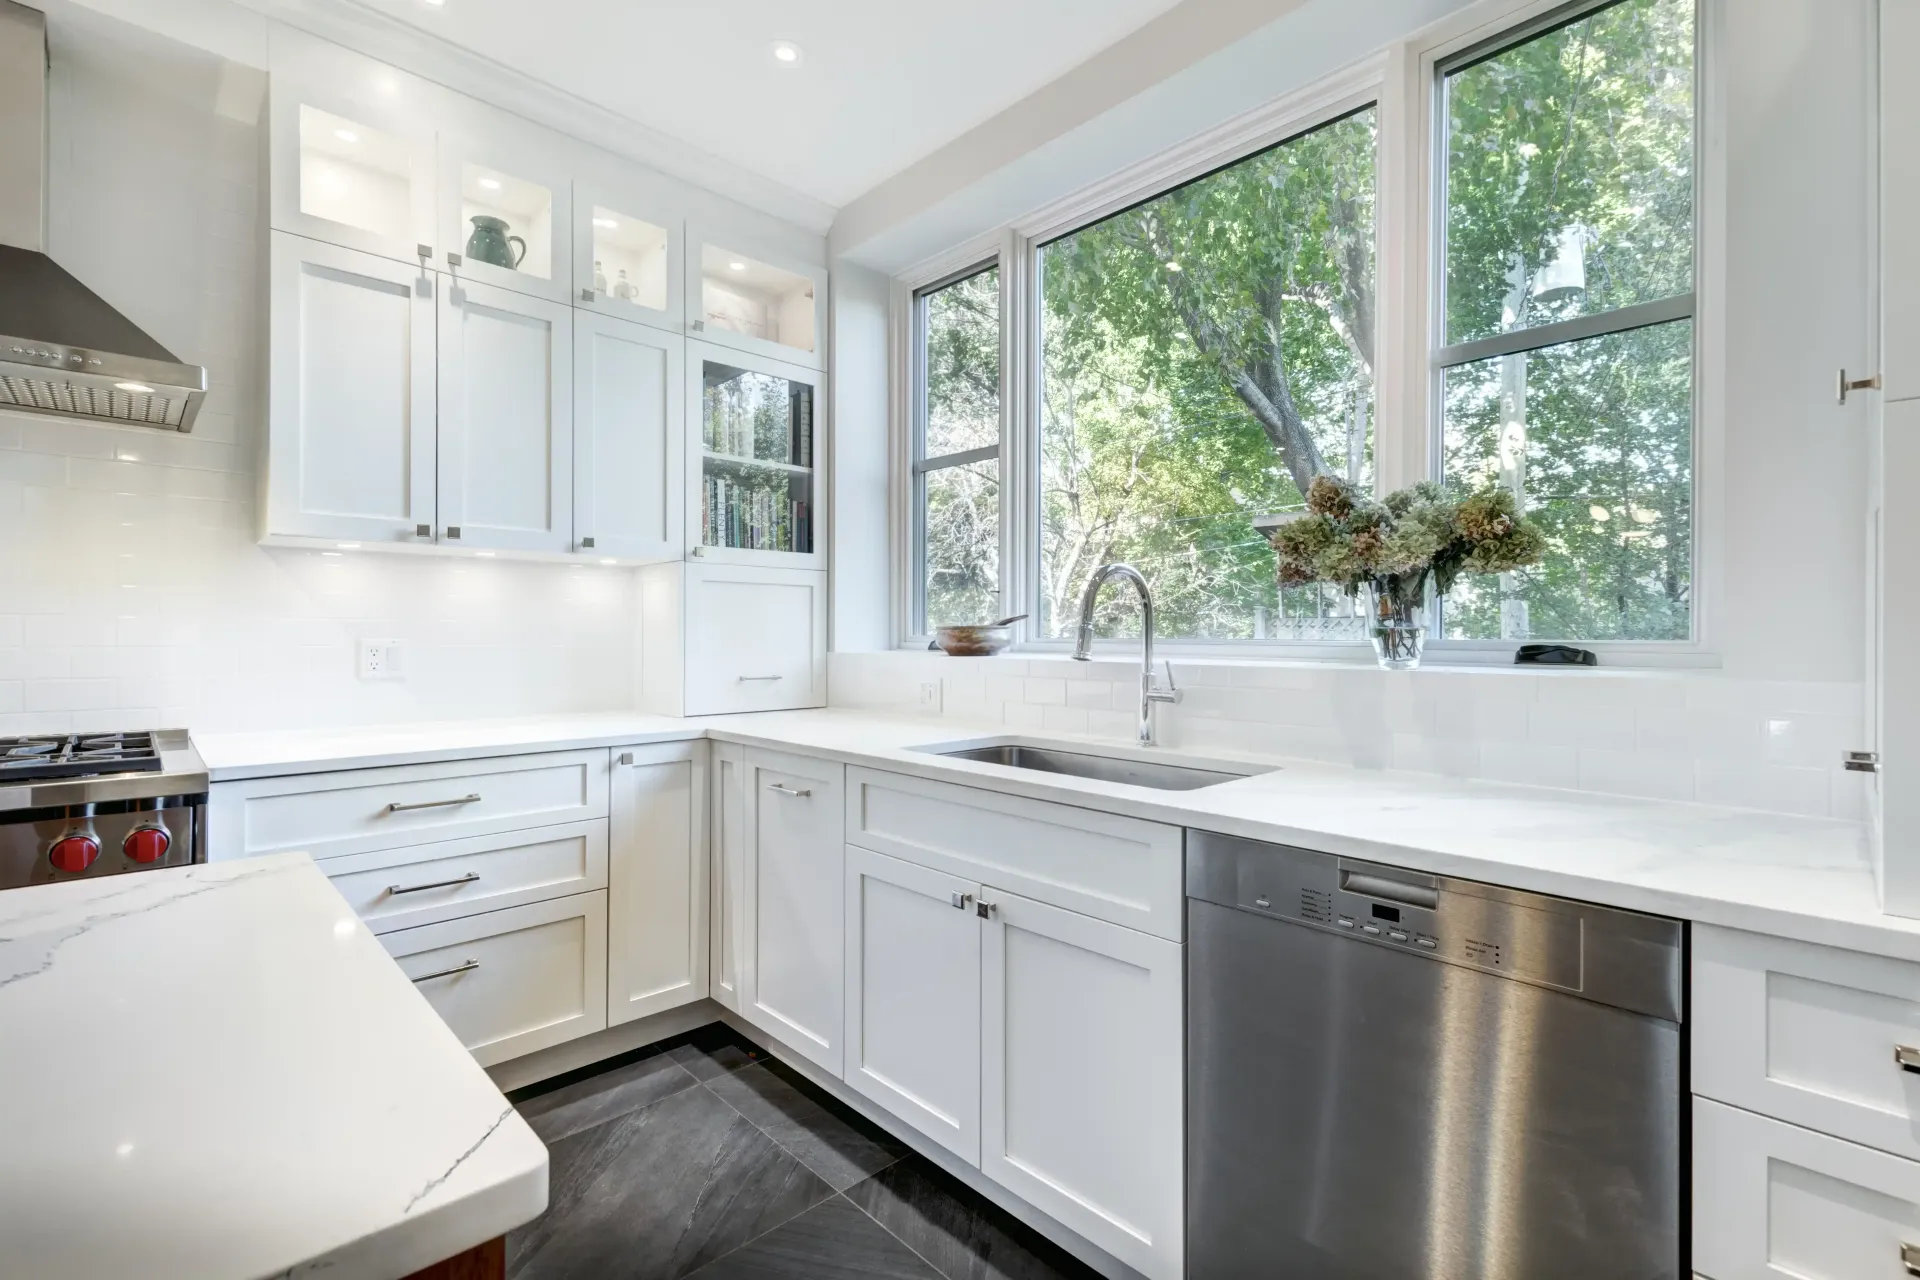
(794, 986)
(628, 445)
(656, 879)
(506, 420)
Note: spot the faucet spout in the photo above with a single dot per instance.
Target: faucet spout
(1083, 644)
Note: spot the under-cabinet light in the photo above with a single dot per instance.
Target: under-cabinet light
(484, 555)
(786, 51)
(347, 546)
(736, 266)
(608, 223)
(346, 135)
(491, 184)
(608, 560)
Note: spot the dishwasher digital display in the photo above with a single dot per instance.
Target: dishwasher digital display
(1390, 914)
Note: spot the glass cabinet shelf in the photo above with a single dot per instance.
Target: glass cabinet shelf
(506, 221)
(756, 435)
(756, 300)
(629, 259)
(355, 175)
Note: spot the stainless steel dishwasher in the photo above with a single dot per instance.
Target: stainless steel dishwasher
(1395, 1076)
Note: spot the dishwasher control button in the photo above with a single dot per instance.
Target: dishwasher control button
(1346, 922)
(1428, 943)
(1373, 929)
(1396, 935)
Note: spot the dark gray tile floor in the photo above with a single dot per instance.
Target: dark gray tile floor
(704, 1156)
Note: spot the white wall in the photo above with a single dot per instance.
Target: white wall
(862, 531)
(131, 590)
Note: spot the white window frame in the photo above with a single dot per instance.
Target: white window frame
(1403, 84)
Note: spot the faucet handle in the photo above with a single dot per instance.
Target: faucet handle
(1171, 686)
(1169, 694)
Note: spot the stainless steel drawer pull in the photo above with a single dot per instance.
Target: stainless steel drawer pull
(1910, 1258)
(758, 679)
(472, 797)
(786, 790)
(448, 973)
(1908, 1057)
(468, 878)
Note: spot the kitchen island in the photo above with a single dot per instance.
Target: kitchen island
(217, 1071)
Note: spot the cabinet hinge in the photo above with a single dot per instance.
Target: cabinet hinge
(1861, 761)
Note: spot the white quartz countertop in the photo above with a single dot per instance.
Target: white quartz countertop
(1793, 877)
(216, 1071)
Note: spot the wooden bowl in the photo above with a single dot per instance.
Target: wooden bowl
(981, 641)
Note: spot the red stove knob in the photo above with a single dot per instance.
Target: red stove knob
(74, 854)
(147, 844)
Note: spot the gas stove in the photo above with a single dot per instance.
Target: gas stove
(99, 804)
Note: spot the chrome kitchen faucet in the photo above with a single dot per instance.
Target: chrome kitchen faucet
(1083, 648)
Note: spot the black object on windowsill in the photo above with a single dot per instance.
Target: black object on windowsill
(1553, 655)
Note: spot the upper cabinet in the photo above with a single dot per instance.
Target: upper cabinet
(506, 213)
(627, 256)
(351, 173)
(755, 488)
(753, 300)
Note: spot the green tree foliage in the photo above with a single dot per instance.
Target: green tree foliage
(961, 570)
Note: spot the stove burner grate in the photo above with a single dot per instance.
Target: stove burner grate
(76, 755)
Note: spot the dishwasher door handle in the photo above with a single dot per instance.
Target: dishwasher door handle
(1407, 895)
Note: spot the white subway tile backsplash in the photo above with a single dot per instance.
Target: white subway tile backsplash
(1530, 764)
(1090, 695)
(1064, 719)
(1752, 785)
(1043, 691)
(1630, 773)
(1568, 722)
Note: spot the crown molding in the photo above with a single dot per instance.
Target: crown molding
(431, 57)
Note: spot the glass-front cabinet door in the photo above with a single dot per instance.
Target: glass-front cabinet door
(626, 258)
(347, 173)
(507, 213)
(757, 485)
(755, 301)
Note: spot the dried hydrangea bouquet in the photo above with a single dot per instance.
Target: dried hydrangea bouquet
(1392, 545)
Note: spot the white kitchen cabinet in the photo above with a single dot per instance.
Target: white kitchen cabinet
(628, 257)
(505, 192)
(795, 948)
(349, 170)
(1773, 1201)
(515, 981)
(1900, 198)
(727, 870)
(753, 494)
(657, 879)
(913, 996)
(755, 298)
(1081, 1076)
(350, 440)
(629, 451)
(411, 885)
(726, 638)
(506, 420)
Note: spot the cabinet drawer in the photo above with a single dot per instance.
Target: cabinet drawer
(1116, 869)
(426, 883)
(510, 982)
(358, 810)
(1808, 1034)
(756, 639)
(1773, 1201)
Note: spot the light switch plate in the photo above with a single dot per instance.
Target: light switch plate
(930, 695)
(382, 660)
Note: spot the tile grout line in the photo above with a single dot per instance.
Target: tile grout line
(715, 1260)
(905, 1243)
(795, 1155)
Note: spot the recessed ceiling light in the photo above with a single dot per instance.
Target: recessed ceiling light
(736, 266)
(484, 555)
(786, 52)
(608, 560)
(137, 388)
(491, 184)
(434, 4)
(608, 223)
(346, 135)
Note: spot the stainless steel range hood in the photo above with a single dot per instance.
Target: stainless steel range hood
(63, 350)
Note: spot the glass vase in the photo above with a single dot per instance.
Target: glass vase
(1397, 621)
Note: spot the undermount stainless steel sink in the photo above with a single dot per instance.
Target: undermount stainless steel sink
(1157, 774)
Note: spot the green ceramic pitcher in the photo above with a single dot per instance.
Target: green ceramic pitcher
(491, 243)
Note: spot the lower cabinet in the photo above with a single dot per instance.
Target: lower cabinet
(1773, 1200)
(656, 879)
(514, 981)
(792, 976)
(727, 871)
(1041, 1045)
(1081, 1094)
(913, 996)
(427, 883)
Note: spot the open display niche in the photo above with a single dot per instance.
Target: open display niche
(629, 259)
(751, 298)
(525, 207)
(354, 175)
(757, 461)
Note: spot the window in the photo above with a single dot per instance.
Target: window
(956, 467)
(1566, 361)
(1203, 356)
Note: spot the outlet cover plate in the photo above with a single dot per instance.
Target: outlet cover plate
(930, 695)
(382, 660)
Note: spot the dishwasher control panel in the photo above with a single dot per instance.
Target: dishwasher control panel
(1604, 953)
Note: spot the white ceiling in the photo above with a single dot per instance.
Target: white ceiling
(881, 83)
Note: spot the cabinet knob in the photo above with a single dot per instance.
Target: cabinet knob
(985, 909)
(453, 531)
(1908, 1057)
(453, 259)
(587, 543)
(424, 250)
(1910, 1258)
(626, 757)
(586, 295)
(960, 900)
(423, 531)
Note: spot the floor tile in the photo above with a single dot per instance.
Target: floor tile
(831, 1241)
(829, 1139)
(657, 1192)
(713, 1051)
(963, 1236)
(559, 1113)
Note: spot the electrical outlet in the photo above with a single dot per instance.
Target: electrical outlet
(381, 660)
(929, 695)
